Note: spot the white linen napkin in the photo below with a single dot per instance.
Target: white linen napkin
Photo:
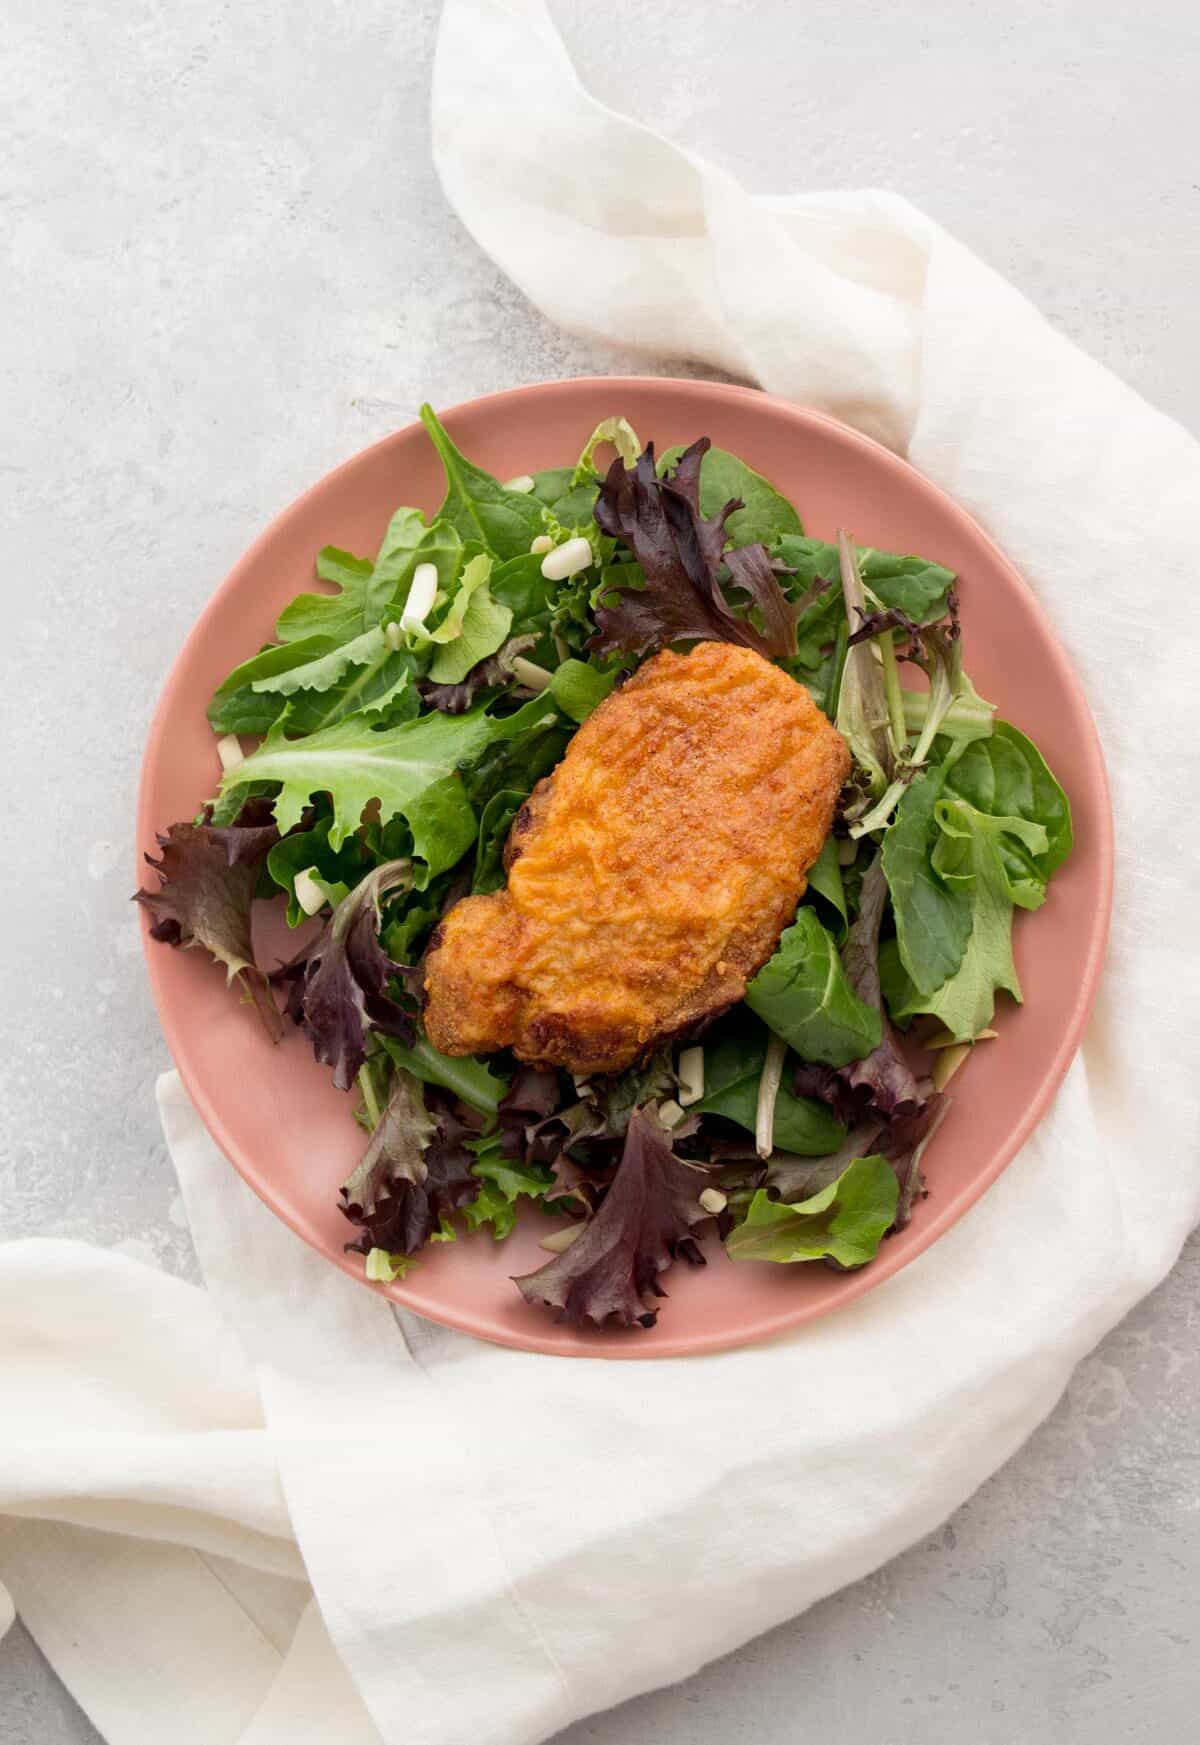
(500, 1542)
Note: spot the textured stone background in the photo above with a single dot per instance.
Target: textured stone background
(229, 266)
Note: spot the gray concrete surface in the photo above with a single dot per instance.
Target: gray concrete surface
(229, 266)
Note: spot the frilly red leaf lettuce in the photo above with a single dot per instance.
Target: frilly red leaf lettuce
(903, 1141)
(533, 1096)
(340, 989)
(644, 1222)
(207, 880)
(757, 575)
(680, 555)
(416, 1168)
(884, 1075)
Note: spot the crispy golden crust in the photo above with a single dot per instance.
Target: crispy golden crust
(650, 876)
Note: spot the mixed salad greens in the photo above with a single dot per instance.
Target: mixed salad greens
(403, 717)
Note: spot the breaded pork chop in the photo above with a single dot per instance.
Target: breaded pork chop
(651, 874)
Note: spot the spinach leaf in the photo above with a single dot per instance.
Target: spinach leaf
(477, 505)
(520, 585)
(767, 514)
(914, 585)
(965, 1002)
(733, 1065)
(827, 890)
(803, 995)
(567, 500)
(472, 1080)
(1006, 775)
(933, 919)
(844, 1223)
(551, 484)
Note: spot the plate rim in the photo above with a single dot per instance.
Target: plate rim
(599, 1343)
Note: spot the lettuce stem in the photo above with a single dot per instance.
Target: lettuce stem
(768, 1095)
(370, 1100)
(893, 693)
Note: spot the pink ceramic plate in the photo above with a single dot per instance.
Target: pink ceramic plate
(274, 1112)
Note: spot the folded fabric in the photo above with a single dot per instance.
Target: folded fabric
(499, 1542)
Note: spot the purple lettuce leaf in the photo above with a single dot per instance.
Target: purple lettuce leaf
(416, 1168)
(340, 987)
(644, 1223)
(680, 555)
(540, 1125)
(535, 1093)
(873, 624)
(883, 1079)
(903, 1142)
(207, 877)
(494, 669)
(752, 570)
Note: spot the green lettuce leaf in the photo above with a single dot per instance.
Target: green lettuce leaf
(412, 920)
(472, 1080)
(409, 769)
(578, 688)
(494, 826)
(969, 716)
(617, 431)
(504, 1182)
(241, 705)
(973, 837)
(325, 682)
(803, 995)
(306, 850)
(474, 626)
(382, 1268)
(406, 543)
(843, 1223)
(373, 593)
(477, 505)
(339, 616)
(733, 1065)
